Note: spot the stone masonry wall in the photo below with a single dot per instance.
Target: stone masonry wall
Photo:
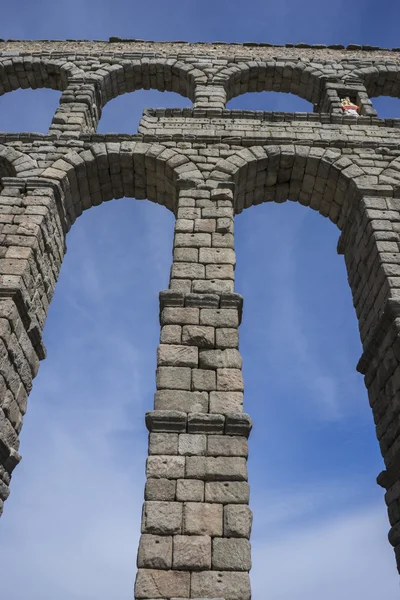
(205, 164)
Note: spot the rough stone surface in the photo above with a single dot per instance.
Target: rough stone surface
(231, 554)
(192, 552)
(152, 583)
(200, 518)
(237, 521)
(155, 552)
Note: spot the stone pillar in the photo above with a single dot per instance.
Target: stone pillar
(371, 246)
(210, 96)
(80, 109)
(31, 251)
(196, 521)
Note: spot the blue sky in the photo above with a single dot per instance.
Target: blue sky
(71, 526)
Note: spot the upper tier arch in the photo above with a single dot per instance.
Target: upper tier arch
(162, 74)
(295, 77)
(34, 72)
(379, 79)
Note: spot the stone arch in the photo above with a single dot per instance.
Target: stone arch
(291, 77)
(113, 170)
(164, 75)
(379, 79)
(323, 179)
(14, 163)
(32, 72)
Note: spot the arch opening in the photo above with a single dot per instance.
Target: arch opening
(161, 75)
(269, 101)
(295, 78)
(313, 452)
(84, 437)
(28, 110)
(129, 108)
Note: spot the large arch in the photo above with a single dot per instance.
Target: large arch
(325, 180)
(32, 72)
(112, 170)
(160, 74)
(293, 77)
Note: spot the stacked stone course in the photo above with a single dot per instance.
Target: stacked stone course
(206, 164)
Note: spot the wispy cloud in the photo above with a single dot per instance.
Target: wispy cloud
(343, 557)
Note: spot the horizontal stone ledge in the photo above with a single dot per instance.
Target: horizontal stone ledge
(178, 299)
(174, 421)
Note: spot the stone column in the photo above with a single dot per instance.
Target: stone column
(371, 245)
(31, 251)
(210, 96)
(196, 521)
(79, 110)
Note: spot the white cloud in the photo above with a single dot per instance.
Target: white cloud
(344, 557)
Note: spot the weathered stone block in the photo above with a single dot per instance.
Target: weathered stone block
(226, 337)
(188, 270)
(165, 467)
(204, 380)
(226, 402)
(230, 380)
(227, 492)
(229, 585)
(186, 255)
(173, 378)
(212, 468)
(200, 518)
(205, 225)
(231, 554)
(193, 552)
(155, 552)
(182, 401)
(220, 272)
(163, 443)
(190, 490)
(217, 359)
(177, 356)
(237, 521)
(227, 445)
(171, 334)
(154, 584)
(222, 240)
(180, 316)
(217, 255)
(213, 286)
(162, 518)
(193, 240)
(198, 335)
(160, 489)
(192, 444)
(219, 317)
(184, 225)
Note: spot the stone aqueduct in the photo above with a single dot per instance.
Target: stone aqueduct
(206, 164)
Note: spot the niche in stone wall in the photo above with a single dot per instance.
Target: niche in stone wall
(122, 114)
(270, 101)
(28, 110)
